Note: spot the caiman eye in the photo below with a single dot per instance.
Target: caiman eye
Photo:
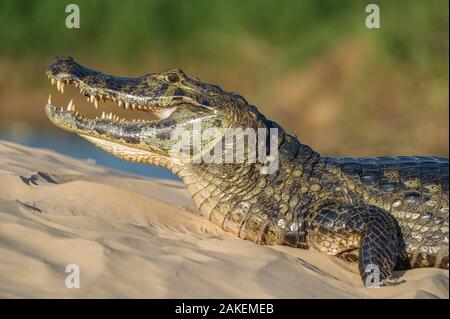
(172, 78)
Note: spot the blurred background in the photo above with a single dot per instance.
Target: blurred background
(312, 66)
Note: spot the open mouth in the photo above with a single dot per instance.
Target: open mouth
(132, 117)
(119, 131)
(95, 98)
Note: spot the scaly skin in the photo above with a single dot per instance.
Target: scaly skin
(391, 212)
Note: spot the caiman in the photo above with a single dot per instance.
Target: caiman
(385, 213)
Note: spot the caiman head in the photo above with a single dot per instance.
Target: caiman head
(182, 104)
(176, 100)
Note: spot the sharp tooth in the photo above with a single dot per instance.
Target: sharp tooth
(103, 115)
(68, 81)
(96, 103)
(53, 81)
(76, 84)
(110, 116)
(92, 98)
(69, 106)
(133, 106)
(120, 103)
(62, 87)
(49, 99)
(127, 105)
(58, 85)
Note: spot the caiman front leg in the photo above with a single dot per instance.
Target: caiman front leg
(337, 230)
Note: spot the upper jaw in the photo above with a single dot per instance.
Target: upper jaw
(128, 93)
(98, 87)
(151, 92)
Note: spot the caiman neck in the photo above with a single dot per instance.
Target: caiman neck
(243, 200)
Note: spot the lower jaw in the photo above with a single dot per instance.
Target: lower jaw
(122, 151)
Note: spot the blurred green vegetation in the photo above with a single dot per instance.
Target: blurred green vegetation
(311, 65)
(414, 31)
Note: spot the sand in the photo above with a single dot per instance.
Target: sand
(134, 237)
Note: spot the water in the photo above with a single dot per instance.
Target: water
(75, 146)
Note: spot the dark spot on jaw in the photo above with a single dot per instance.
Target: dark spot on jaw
(133, 129)
(130, 136)
(179, 92)
(205, 102)
(131, 140)
(164, 135)
(80, 125)
(170, 123)
(163, 89)
(100, 130)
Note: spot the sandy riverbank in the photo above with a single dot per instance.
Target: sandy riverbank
(136, 237)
